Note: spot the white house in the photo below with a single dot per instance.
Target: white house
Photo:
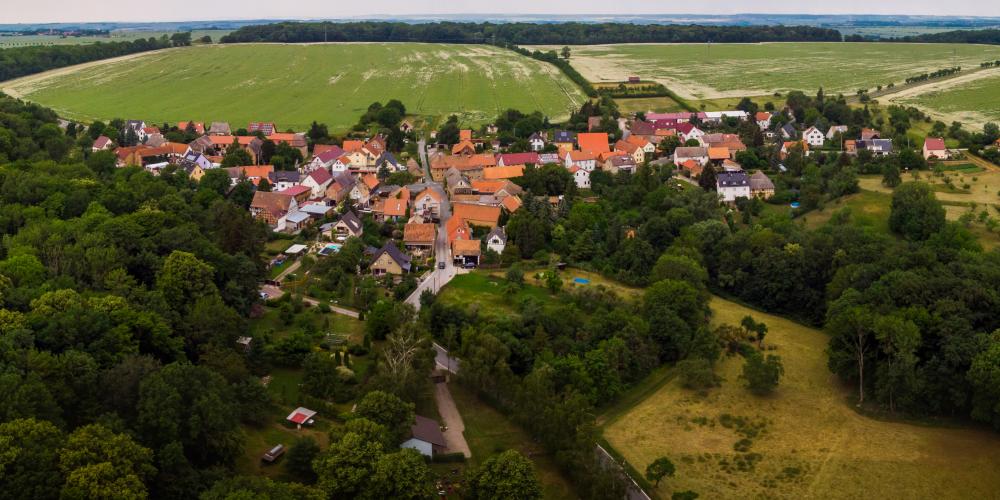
(496, 240)
(425, 437)
(584, 160)
(537, 142)
(834, 130)
(428, 203)
(732, 185)
(718, 116)
(814, 137)
(318, 180)
(763, 120)
(581, 176)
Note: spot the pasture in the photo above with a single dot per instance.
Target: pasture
(293, 85)
(708, 71)
(804, 441)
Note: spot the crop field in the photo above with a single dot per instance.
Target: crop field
(11, 41)
(708, 71)
(292, 85)
(804, 441)
(972, 101)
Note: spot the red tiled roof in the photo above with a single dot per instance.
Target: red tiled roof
(593, 142)
(934, 144)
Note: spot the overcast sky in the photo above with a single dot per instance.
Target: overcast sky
(37, 11)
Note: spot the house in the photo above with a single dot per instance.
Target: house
(788, 132)
(788, 146)
(763, 119)
(934, 148)
(581, 177)
(477, 215)
(301, 416)
(347, 226)
(419, 237)
(718, 155)
(632, 150)
(582, 159)
(425, 437)
(220, 128)
(101, 143)
(686, 131)
(387, 161)
(511, 204)
(220, 143)
(508, 159)
(267, 128)
(761, 185)
(138, 127)
(732, 142)
(457, 229)
(428, 203)
(340, 187)
(878, 147)
(620, 163)
(296, 221)
(463, 148)
(497, 173)
(696, 153)
(868, 134)
(814, 137)
(283, 179)
(466, 253)
(832, 132)
(719, 116)
(388, 260)
(457, 183)
(593, 142)
(273, 208)
(732, 185)
(318, 210)
(564, 140)
(496, 240)
(318, 180)
(692, 168)
(536, 142)
(469, 165)
(549, 158)
(297, 141)
(198, 128)
(465, 135)
(393, 207)
(375, 147)
(646, 145)
(252, 173)
(300, 193)
(195, 164)
(362, 191)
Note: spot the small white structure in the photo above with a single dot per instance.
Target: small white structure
(732, 185)
(581, 176)
(425, 437)
(496, 240)
(301, 416)
(296, 249)
(814, 137)
(537, 142)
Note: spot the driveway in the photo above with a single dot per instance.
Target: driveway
(274, 292)
(454, 436)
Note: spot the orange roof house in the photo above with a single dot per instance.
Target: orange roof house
(419, 234)
(199, 127)
(352, 146)
(692, 167)
(457, 229)
(465, 135)
(511, 203)
(593, 142)
(716, 154)
(462, 248)
(477, 215)
(464, 147)
(496, 173)
(253, 173)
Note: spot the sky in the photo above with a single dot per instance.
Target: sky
(40, 11)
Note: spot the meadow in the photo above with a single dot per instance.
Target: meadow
(804, 441)
(11, 41)
(292, 85)
(707, 71)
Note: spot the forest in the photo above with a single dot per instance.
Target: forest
(523, 33)
(21, 61)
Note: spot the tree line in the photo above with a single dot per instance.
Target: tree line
(524, 33)
(20, 61)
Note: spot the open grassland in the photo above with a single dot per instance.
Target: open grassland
(12, 41)
(708, 71)
(972, 101)
(805, 441)
(293, 85)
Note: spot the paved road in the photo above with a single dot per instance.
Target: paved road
(454, 435)
(443, 360)
(634, 491)
(288, 270)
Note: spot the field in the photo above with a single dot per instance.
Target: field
(972, 101)
(294, 85)
(706, 71)
(809, 442)
(10, 41)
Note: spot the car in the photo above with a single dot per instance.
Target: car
(470, 265)
(440, 265)
(264, 296)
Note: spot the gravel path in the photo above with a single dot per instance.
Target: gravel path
(453, 436)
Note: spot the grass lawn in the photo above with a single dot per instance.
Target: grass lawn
(489, 432)
(868, 208)
(646, 104)
(812, 443)
(293, 85)
(486, 292)
(964, 168)
(970, 102)
(708, 71)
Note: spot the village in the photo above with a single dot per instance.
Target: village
(453, 214)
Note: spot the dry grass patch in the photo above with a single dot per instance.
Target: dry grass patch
(805, 441)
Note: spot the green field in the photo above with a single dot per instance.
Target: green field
(12, 41)
(704, 71)
(812, 445)
(973, 102)
(292, 85)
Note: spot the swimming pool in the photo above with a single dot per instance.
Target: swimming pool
(331, 248)
(582, 281)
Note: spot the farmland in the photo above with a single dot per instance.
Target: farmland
(11, 41)
(705, 71)
(808, 442)
(970, 100)
(294, 85)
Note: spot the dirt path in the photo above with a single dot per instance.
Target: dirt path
(19, 87)
(454, 434)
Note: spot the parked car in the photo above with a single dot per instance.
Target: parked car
(440, 265)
